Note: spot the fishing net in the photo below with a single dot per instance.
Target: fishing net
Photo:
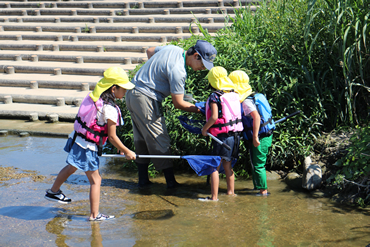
(203, 164)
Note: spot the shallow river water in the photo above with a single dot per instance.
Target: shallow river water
(157, 216)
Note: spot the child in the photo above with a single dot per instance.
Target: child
(95, 122)
(224, 121)
(260, 139)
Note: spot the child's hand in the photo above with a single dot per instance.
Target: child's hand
(256, 142)
(204, 132)
(130, 155)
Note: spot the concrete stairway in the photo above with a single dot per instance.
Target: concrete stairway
(52, 53)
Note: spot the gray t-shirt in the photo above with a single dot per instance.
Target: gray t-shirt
(164, 73)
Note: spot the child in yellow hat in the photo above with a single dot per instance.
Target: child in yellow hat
(224, 121)
(95, 122)
(258, 143)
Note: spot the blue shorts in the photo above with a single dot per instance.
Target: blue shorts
(82, 159)
(220, 150)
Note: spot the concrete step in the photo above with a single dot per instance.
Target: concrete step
(104, 37)
(134, 28)
(77, 57)
(45, 45)
(77, 82)
(42, 96)
(118, 12)
(173, 18)
(59, 68)
(38, 111)
(99, 4)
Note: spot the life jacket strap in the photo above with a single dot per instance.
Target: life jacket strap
(96, 133)
(231, 122)
(269, 121)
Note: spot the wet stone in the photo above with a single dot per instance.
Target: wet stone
(3, 132)
(24, 134)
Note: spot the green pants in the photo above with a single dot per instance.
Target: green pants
(258, 156)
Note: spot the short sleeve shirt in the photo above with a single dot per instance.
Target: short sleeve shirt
(163, 74)
(215, 97)
(248, 107)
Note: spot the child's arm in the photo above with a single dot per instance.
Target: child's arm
(113, 138)
(212, 120)
(256, 127)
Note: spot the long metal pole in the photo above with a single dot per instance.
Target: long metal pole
(144, 156)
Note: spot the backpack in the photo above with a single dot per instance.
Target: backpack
(267, 123)
(229, 116)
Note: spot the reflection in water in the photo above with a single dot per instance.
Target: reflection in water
(56, 226)
(59, 224)
(265, 226)
(96, 238)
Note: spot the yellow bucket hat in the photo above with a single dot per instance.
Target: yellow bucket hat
(112, 76)
(241, 82)
(217, 78)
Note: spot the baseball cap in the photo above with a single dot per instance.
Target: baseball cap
(218, 79)
(241, 81)
(112, 76)
(207, 52)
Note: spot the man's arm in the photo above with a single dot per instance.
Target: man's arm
(179, 103)
(150, 52)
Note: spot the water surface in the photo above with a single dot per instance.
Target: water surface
(157, 216)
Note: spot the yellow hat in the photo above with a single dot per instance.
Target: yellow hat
(218, 79)
(112, 76)
(241, 81)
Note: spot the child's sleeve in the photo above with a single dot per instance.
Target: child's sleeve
(248, 107)
(110, 112)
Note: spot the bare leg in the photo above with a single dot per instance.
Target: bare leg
(95, 182)
(63, 175)
(229, 177)
(215, 180)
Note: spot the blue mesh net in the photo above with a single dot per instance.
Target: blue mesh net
(203, 164)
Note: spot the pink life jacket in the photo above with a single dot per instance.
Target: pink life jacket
(229, 118)
(86, 124)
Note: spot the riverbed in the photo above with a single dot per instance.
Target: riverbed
(156, 216)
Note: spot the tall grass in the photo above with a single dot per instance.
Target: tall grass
(338, 33)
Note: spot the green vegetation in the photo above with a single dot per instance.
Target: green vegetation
(355, 166)
(303, 55)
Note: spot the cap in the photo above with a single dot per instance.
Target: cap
(218, 79)
(112, 76)
(241, 82)
(207, 52)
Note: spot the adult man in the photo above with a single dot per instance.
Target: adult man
(162, 75)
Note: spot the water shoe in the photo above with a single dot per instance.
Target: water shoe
(57, 197)
(101, 217)
(207, 199)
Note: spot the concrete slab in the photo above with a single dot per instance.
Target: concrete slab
(40, 128)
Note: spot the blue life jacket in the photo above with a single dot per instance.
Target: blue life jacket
(267, 123)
